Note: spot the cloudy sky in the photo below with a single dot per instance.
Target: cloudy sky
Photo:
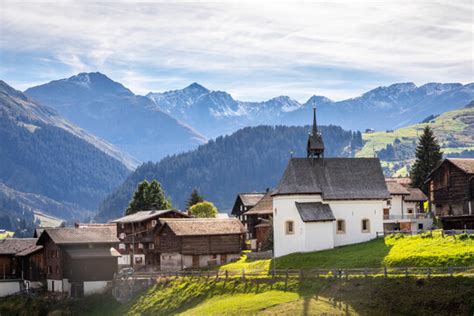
(254, 51)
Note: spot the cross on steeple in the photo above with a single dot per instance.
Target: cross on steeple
(315, 147)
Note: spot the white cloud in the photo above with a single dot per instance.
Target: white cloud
(409, 40)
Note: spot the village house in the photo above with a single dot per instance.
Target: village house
(321, 203)
(31, 263)
(199, 242)
(79, 260)
(258, 220)
(451, 191)
(243, 203)
(9, 263)
(405, 210)
(138, 234)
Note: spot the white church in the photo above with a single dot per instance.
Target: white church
(321, 203)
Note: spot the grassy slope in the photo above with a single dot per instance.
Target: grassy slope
(457, 125)
(364, 296)
(398, 250)
(6, 234)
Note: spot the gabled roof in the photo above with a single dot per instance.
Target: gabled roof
(263, 207)
(29, 251)
(204, 226)
(12, 246)
(334, 178)
(250, 199)
(395, 188)
(405, 181)
(145, 215)
(315, 212)
(81, 235)
(465, 164)
(416, 195)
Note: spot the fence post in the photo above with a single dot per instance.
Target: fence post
(347, 274)
(365, 272)
(301, 274)
(226, 275)
(442, 233)
(217, 275)
(450, 270)
(385, 271)
(406, 272)
(286, 279)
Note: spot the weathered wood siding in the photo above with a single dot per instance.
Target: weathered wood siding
(196, 245)
(450, 186)
(225, 244)
(169, 242)
(54, 259)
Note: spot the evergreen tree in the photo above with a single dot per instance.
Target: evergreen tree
(148, 196)
(428, 156)
(203, 210)
(194, 198)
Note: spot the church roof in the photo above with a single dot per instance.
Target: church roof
(315, 212)
(334, 178)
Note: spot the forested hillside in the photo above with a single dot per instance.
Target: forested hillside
(251, 159)
(396, 149)
(39, 155)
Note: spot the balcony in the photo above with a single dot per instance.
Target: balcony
(411, 216)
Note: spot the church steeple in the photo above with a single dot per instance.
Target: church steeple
(315, 147)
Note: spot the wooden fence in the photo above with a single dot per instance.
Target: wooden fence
(444, 232)
(335, 273)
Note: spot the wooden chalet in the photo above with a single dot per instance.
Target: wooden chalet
(263, 210)
(199, 242)
(138, 235)
(451, 190)
(9, 248)
(79, 260)
(244, 202)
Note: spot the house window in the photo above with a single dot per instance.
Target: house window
(420, 226)
(140, 246)
(151, 246)
(122, 246)
(241, 208)
(389, 202)
(290, 227)
(365, 226)
(410, 211)
(154, 222)
(131, 246)
(138, 259)
(123, 225)
(341, 226)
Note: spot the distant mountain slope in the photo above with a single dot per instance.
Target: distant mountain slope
(50, 159)
(454, 130)
(251, 159)
(109, 110)
(216, 112)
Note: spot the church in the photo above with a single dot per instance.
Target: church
(321, 203)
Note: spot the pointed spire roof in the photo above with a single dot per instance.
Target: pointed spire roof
(315, 147)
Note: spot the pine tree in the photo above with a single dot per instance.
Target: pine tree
(428, 157)
(148, 196)
(194, 198)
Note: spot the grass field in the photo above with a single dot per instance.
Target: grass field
(397, 250)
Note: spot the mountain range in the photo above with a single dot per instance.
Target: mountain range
(109, 110)
(50, 165)
(216, 112)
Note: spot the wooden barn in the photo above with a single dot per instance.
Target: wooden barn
(79, 260)
(138, 235)
(9, 248)
(451, 187)
(258, 220)
(199, 242)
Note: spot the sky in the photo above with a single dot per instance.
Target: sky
(254, 50)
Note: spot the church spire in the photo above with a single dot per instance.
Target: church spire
(315, 147)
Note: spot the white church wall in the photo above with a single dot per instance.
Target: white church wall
(353, 212)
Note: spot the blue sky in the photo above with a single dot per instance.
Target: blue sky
(253, 49)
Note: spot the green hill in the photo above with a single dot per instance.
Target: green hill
(396, 149)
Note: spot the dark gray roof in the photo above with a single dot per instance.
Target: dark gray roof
(334, 178)
(315, 212)
(11, 246)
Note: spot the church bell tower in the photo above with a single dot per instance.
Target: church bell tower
(315, 147)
